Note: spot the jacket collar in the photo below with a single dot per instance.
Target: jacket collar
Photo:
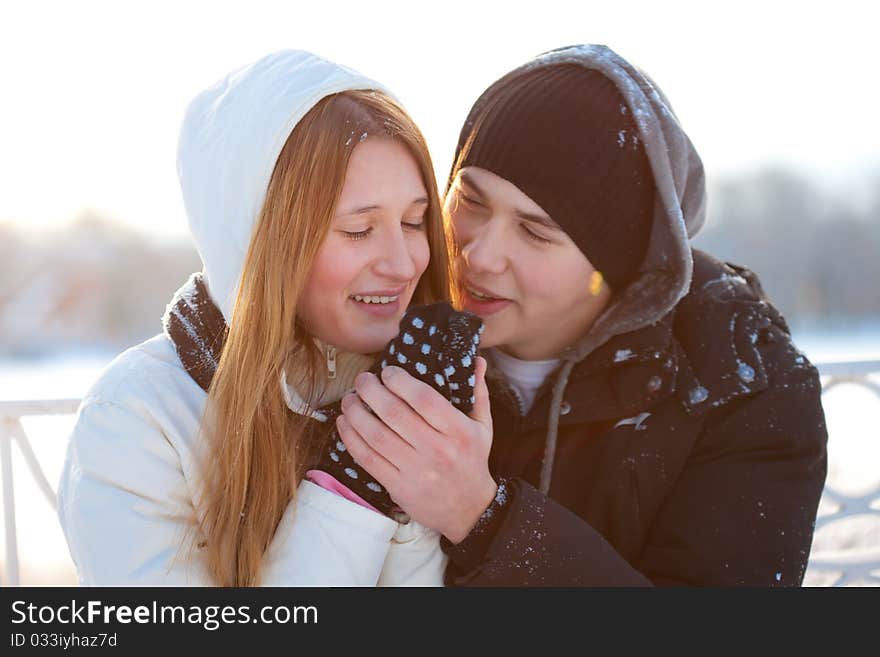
(703, 354)
(196, 327)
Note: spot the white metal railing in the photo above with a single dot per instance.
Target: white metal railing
(849, 565)
(11, 429)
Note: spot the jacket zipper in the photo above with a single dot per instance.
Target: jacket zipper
(331, 362)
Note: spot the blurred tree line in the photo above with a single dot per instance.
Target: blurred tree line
(92, 284)
(98, 284)
(817, 253)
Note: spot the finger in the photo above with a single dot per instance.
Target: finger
(481, 411)
(394, 411)
(365, 456)
(376, 433)
(429, 404)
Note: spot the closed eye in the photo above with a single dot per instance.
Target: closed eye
(413, 224)
(534, 236)
(470, 200)
(358, 234)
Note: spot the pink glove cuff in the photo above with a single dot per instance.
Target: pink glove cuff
(330, 482)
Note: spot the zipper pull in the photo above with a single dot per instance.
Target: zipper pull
(331, 362)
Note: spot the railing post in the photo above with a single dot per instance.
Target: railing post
(8, 430)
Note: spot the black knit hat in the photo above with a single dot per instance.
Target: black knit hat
(565, 136)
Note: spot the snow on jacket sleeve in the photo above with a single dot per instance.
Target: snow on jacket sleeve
(741, 512)
(537, 542)
(125, 505)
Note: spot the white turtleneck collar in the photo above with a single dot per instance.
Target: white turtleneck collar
(348, 366)
(524, 376)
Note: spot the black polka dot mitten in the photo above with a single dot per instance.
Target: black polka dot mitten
(436, 344)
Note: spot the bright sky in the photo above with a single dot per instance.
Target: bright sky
(93, 92)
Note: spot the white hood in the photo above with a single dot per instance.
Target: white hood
(230, 139)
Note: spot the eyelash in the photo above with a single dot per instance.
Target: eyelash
(533, 236)
(362, 234)
(469, 201)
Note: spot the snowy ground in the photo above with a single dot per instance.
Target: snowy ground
(854, 465)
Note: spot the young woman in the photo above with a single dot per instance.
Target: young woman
(651, 420)
(311, 198)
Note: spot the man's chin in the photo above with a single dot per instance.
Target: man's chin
(490, 337)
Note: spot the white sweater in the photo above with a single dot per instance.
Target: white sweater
(525, 376)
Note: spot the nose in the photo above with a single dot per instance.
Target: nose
(482, 248)
(395, 260)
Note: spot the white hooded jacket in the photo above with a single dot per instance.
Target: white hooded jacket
(128, 484)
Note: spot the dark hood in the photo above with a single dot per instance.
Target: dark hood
(680, 207)
(664, 276)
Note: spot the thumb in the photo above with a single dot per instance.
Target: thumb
(481, 411)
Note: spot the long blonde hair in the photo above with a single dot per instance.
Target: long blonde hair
(257, 449)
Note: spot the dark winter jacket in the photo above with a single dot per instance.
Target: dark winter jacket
(690, 452)
(682, 438)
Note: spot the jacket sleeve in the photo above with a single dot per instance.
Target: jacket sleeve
(741, 512)
(532, 540)
(414, 558)
(125, 507)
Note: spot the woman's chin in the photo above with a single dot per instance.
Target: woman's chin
(367, 341)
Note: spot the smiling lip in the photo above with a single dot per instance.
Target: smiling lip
(486, 293)
(387, 292)
(483, 307)
(388, 309)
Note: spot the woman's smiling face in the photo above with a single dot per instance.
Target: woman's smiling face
(518, 269)
(369, 264)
